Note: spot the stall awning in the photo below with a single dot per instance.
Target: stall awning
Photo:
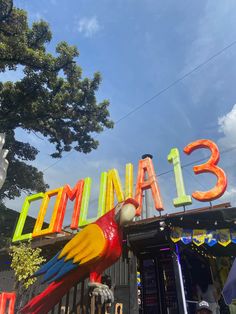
(148, 235)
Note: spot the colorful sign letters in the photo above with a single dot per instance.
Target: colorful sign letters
(111, 186)
(211, 167)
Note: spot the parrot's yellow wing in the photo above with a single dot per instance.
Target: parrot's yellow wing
(86, 246)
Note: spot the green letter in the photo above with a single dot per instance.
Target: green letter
(18, 236)
(182, 198)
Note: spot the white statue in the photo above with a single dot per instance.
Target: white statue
(3, 161)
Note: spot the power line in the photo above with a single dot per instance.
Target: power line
(56, 162)
(176, 81)
(184, 166)
(159, 93)
(197, 161)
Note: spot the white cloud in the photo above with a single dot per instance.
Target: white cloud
(229, 196)
(227, 126)
(88, 26)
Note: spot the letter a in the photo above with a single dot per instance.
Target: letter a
(146, 167)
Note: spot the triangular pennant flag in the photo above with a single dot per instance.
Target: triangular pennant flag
(224, 237)
(175, 234)
(211, 237)
(233, 235)
(186, 236)
(199, 236)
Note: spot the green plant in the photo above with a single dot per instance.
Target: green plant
(25, 262)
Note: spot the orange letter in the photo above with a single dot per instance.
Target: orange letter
(209, 166)
(146, 166)
(38, 231)
(75, 193)
(10, 298)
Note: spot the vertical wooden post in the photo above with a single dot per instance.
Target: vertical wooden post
(81, 308)
(67, 302)
(99, 309)
(92, 305)
(119, 308)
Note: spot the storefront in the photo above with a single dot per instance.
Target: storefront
(169, 271)
(172, 272)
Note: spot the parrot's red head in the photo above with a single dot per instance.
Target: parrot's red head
(125, 211)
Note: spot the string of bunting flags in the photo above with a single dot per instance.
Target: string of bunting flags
(202, 236)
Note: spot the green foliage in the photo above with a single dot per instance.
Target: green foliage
(51, 99)
(25, 262)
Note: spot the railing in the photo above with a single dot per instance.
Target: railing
(73, 301)
(76, 300)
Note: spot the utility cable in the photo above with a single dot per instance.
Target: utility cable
(159, 93)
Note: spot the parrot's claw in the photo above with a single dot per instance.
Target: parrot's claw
(102, 291)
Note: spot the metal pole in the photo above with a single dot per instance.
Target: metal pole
(147, 194)
(133, 288)
(144, 209)
(181, 280)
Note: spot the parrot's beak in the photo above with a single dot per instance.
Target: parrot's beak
(127, 212)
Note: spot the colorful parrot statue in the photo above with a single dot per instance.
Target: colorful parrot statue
(88, 254)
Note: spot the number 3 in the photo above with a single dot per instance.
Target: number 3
(209, 166)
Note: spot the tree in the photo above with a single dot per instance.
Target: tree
(25, 262)
(52, 99)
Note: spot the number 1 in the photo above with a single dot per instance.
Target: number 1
(182, 199)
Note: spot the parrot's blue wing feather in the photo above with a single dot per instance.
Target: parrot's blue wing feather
(48, 265)
(68, 266)
(54, 269)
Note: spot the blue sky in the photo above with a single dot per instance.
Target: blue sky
(141, 47)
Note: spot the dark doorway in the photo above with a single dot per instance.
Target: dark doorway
(158, 284)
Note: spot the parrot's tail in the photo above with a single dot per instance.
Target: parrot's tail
(46, 300)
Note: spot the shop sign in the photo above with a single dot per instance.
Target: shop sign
(110, 185)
